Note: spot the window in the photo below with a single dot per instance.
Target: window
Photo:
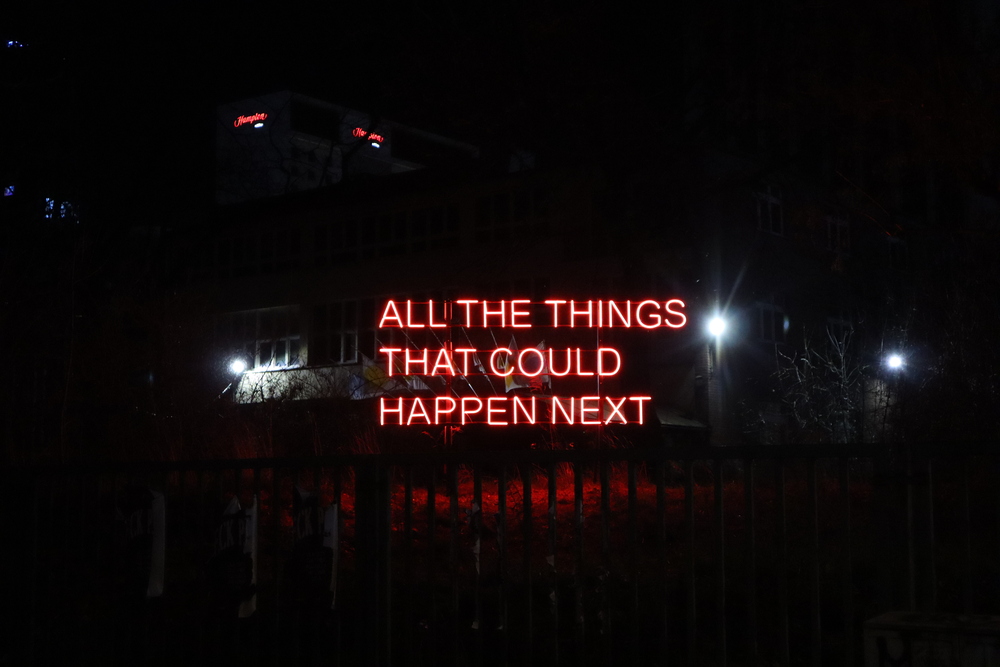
(838, 234)
(839, 327)
(772, 322)
(770, 216)
(342, 332)
(504, 215)
(267, 338)
(8, 191)
(50, 207)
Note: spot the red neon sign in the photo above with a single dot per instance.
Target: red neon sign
(243, 120)
(362, 133)
(599, 314)
(506, 410)
(512, 362)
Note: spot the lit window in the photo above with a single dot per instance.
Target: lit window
(66, 210)
(770, 216)
(50, 207)
(8, 191)
(268, 338)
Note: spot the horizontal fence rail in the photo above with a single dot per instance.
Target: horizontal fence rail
(720, 556)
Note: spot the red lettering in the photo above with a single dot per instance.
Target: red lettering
(487, 313)
(683, 317)
(421, 361)
(518, 402)
(390, 313)
(584, 410)
(615, 410)
(417, 409)
(388, 352)
(600, 361)
(437, 407)
(520, 362)
(493, 366)
(573, 312)
(443, 361)
(579, 365)
(466, 400)
(555, 303)
(552, 363)
(557, 404)
(383, 410)
(490, 410)
(430, 317)
(515, 313)
(626, 319)
(640, 400)
(638, 315)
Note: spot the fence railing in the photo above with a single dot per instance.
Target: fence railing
(738, 555)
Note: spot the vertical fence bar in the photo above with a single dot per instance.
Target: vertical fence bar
(408, 566)
(578, 622)
(692, 599)
(453, 558)
(605, 582)
(720, 529)
(338, 618)
(551, 558)
(782, 534)
(931, 584)
(911, 564)
(661, 536)
(633, 563)
(816, 636)
(477, 535)
(847, 583)
(966, 538)
(275, 555)
(502, 560)
(526, 520)
(432, 564)
(35, 530)
(751, 556)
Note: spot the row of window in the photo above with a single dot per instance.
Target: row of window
(771, 219)
(387, 235)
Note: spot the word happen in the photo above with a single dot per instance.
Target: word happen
(507, 410)
(516, 314)
(243, 120)
(371, 136)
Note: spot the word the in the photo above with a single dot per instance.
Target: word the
(506, 410)
(515, 313)
(243, 120)
(371, 136)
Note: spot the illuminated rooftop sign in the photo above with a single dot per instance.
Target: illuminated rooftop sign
(256, 119)
(448, 361)
(362, 133)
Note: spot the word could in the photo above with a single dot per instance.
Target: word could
(243, 120)
(507, 410)
(516, 314)
(365, 134)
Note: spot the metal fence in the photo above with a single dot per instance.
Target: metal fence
(675, 556)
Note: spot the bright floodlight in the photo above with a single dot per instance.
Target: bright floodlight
(375, 144)
(716, 326)
(258, 125)
(895, 361)
(237, 366)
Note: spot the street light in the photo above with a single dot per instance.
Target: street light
(716, 326)
(894, 361)
(237, 366)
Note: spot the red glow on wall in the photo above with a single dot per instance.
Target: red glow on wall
(243, 120)
(362, 133)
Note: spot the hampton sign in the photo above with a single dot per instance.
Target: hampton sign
(449, 361)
